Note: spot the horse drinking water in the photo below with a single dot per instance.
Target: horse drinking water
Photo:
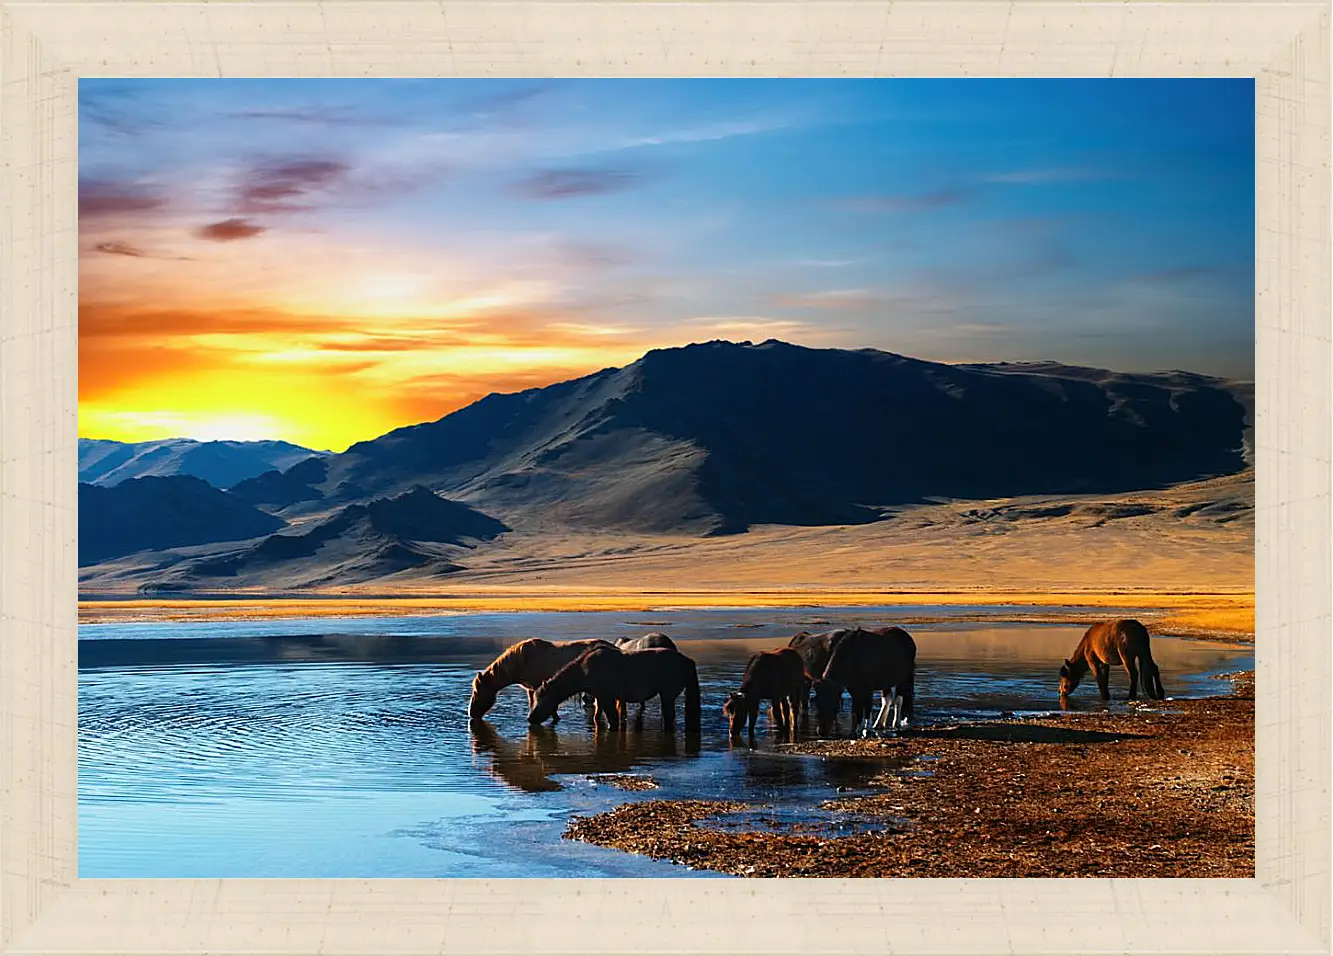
(629, 645)
(1123, 641)
(864, 661)
(611, 677)
(815, 650)
(778, 676)
(528, 663)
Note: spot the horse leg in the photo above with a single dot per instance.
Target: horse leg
(753, 716)
(611, 708)
(668, 705)
(1133, 679)
(1103, 674)
(897, 710)
(885, 706)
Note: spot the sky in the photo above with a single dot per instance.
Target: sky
(321, 261)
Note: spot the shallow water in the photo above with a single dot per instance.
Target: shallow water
(340, 748)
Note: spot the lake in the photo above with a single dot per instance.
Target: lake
(340, 747)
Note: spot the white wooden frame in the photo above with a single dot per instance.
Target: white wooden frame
(45, 45)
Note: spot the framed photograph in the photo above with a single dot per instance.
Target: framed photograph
(599, 477)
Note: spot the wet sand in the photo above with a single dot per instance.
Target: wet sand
(1164, 789)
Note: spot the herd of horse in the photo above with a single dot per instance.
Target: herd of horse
(610, 676)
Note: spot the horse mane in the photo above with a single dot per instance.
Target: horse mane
(510, 657)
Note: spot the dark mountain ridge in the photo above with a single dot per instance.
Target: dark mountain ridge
(153, 513)
(716, 437)
(360, 542)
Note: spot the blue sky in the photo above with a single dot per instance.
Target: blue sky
(577, 223)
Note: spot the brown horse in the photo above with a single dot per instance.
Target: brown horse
(864, 661)
(628, 645)
(815, 650)
(612, 677)
(528, 663)
(1123, 641)
(778, 676)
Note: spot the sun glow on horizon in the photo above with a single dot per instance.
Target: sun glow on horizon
(323, 262)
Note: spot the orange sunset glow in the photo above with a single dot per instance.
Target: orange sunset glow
(324, 261)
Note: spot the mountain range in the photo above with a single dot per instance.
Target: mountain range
(719, 437)
(220, 463)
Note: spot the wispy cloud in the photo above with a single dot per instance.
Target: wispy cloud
(315, 116)
(830, 299)
(99, 198)
(1182, 274)
(583, 328)
(120, 249)
(116, 247)
(1059, 174)
(830, 263)
(577, 183)
(118, 110)
(707, 133)
(287, 186)
(736, 326)
(889, 204)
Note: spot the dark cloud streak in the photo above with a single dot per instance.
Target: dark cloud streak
(121, 249)
(229, 230)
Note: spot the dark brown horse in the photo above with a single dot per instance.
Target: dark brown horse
(612, 677)
(815, 650)
(628, 645)
(778, 676)
(863, 662)
(528, 663)
(1122, 641)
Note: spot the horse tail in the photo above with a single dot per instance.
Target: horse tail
(1151, 673)
(693, 706)
(1153, 678)
(908, 690)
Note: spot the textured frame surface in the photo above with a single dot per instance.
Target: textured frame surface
(45, 45)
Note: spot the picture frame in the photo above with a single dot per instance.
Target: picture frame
(46, 45)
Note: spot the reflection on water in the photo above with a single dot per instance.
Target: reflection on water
(532, 762)
(351, 755)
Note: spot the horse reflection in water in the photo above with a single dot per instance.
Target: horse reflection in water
(531, 763)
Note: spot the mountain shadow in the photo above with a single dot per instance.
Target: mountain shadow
(274, 490)
(152, 513)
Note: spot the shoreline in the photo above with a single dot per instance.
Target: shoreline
(1219, 615)
(1158, 791)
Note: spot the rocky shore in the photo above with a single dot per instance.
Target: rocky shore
(1162, 789)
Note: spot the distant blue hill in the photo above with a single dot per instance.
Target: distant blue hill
(220, 463)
